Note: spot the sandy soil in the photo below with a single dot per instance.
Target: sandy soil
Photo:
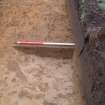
(36, 77)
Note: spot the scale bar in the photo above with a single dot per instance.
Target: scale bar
(44, 44)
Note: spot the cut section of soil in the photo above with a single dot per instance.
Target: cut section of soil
(34, 76)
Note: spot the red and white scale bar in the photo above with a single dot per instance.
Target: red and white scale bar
(44, 44)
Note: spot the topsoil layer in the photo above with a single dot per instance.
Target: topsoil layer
(93, 53)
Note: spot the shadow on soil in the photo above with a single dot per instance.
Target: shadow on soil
(48, 52)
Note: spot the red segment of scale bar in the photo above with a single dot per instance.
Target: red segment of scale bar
(29, 42)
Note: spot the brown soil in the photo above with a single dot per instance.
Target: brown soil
(34, 76)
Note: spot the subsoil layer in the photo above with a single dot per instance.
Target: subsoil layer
(36, 76)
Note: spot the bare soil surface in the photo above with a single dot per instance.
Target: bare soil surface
(36, 76)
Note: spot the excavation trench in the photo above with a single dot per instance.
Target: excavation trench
(40, 76)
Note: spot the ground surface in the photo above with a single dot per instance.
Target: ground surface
(93, 56)
(36, 77)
